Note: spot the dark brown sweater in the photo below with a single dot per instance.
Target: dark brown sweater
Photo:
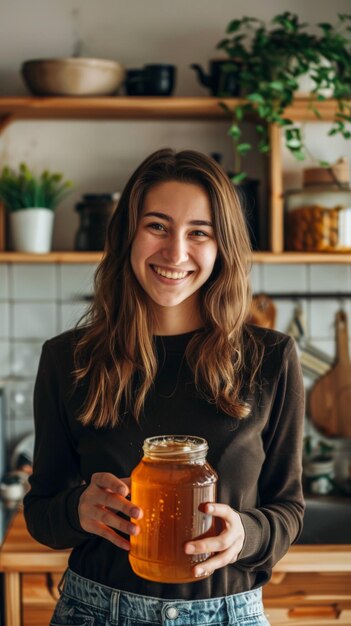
(258, 461)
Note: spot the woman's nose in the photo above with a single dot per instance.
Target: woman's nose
(175, 251)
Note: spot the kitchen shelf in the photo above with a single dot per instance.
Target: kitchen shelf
(14, 108)
(287, 258)
(17, 108)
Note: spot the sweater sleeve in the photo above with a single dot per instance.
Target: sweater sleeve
(51, 505)
(277, 522)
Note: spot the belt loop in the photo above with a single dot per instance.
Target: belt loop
(230, 609)
(114, 606)
(62, 579)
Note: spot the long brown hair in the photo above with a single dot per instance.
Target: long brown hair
(116, 351)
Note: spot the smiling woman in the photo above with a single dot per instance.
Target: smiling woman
(171, 257)
(165, 350)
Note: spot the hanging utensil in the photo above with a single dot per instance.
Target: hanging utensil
(314, 362)
(330, 397)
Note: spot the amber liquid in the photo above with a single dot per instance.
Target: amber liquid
(170, 494)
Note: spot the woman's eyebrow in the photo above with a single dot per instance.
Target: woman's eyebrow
(168, 218)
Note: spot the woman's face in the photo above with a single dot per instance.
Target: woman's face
(174, 249)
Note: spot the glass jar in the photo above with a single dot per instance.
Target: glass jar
(170, 483)
(319, 473)
(318, 219)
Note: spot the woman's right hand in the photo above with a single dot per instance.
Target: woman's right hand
(99, 507)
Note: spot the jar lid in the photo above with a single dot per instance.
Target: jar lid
(175, 446)
(337, 173)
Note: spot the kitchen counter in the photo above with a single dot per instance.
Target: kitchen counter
(21, 556)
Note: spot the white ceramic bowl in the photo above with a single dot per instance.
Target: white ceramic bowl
(73, 77)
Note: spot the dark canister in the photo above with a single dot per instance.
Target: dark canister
(95, 211)
(134, 83)
(159, 79)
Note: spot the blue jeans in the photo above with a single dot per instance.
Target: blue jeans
(84, 602)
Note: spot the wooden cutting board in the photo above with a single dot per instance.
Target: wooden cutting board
(330, 397)
(263, 311)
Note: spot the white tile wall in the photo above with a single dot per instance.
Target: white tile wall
(4, 358)
(34, 320)
(4, 320)
(322, 317)
(256, 278)
(20, 398)
(34, 282)
(25, 358)
(335, 278)
(284, 278)
(39, 301)
(4, 283)
(75, 281)
(70, 313)
(20, 428)
(285, 314)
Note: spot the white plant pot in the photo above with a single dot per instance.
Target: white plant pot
(31, 230)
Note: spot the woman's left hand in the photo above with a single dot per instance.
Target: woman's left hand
(225, 546)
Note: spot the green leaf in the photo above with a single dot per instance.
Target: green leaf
(324, 163)
(239, 113)
(233, 26)
(238, 178)
(264, 147)
(298, 154)
(234, 131)
(24, 189)
(316, 112)
(243, 148)
(256, 97)
(277, 85)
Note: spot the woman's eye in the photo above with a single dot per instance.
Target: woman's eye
(199, 233)
(156, 226)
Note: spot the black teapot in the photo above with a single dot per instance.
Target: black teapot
(222, 78)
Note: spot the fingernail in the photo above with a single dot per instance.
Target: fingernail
(134, 513)
(190, 548)
(199, 572)
(210, 508)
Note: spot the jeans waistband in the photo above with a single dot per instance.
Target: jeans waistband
(160, 610)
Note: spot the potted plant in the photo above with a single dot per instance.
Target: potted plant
(270, 62)
(31, 201)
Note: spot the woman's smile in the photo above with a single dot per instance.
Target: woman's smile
(171, 275)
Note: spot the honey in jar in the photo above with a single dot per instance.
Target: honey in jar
(170, 482)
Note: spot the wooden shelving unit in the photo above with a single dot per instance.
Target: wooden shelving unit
(16, 108)
(118, 107)
(286, 258)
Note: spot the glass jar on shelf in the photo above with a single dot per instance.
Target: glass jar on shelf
(318, 219)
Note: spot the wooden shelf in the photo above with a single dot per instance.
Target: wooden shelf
(51, 257)
(95, 257)
(14, 108)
